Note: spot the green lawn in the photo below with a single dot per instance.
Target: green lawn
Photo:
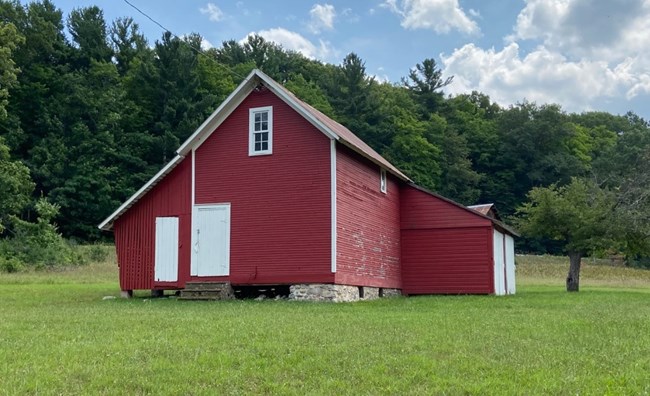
(58, 336)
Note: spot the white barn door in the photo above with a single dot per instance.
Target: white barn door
(211, 240)
(499, 264)
(510, 265)
(166, 250)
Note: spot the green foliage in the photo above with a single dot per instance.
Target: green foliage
(9, 40)
(578, 215)
(9, 264)
(38, 244)
(310, 93)
(15, 186)
(425, 82)
(98, 253)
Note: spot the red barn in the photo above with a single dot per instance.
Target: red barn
(269, 191)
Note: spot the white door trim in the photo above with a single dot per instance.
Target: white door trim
(197, 242)
(166, 249)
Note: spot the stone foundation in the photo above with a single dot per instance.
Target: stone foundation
(338, 293)
(385, 292)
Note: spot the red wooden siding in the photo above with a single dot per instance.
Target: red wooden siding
(368, 235)
(135, 230)
(280, 203)
(445, 249)
(447, 261)
(422, 210)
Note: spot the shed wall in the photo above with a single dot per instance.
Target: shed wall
(368, 235)
(135, 230)
(280, 203)
(447, 261)
(445, 249)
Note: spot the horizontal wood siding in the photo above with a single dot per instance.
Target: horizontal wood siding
(368, 235)
(280, 203)
(422, 210)
(135, 230)
(447, 261)
(445, 249)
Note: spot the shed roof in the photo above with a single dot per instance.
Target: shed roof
(486, 209)
(482, 208)
(323, 123)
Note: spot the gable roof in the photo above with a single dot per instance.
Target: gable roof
(497, 223)
(323, 123)
(486, 209)
(482, 208)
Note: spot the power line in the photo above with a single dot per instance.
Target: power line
(198, 50)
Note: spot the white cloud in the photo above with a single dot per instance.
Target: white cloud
(441, 16)
(585, 53)
(543, 76)
(381, 76)
(213, 12)
(293, 41)
(321, 17)
(609, 30)
(206, 45)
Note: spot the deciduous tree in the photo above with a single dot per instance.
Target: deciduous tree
(580, 215)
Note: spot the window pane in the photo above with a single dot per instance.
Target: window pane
(258, 117)
(265, 116)
(265, 126)
(265, 146)
(258, 137)
(265, 136)
(258, 146)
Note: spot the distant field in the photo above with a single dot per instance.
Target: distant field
(57, 336)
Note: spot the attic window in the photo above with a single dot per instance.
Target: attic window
(260, 131)
(382, 180)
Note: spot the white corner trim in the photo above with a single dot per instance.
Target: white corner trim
(193, 177)
(193, 215)
(383, 181)
(333, 197)
(107, 223)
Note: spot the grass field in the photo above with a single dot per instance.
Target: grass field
(58, 336)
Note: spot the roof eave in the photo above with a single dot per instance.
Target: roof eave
(107, 224)
(220, 114)
(280, 92)
(392, 170)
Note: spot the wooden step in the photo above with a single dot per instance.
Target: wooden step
(207, 291)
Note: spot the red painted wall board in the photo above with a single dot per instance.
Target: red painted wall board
(447, 261)
(368, 235)
(280, 203)
(135, 229)
(422, 210)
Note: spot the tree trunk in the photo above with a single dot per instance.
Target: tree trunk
(573, 278)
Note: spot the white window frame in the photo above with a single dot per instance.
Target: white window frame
(251, 130)
(383, 182)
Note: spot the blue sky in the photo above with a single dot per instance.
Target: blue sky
(582, 54)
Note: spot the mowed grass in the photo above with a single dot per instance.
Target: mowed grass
(58, 336)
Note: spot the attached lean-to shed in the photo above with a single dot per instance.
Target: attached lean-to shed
(450, 249)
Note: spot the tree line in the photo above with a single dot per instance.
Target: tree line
(89, 111)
